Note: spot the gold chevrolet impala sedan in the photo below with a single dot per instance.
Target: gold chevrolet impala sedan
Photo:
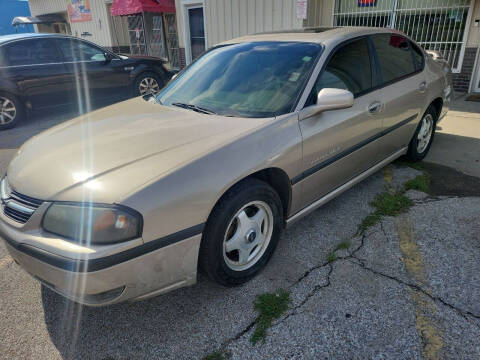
(127, 202)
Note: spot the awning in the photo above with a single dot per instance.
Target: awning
(130, 7)
(40, 19)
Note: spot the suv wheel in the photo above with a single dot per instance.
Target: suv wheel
(11, 111)
(242, 233)
(423, 137)
(147, 84)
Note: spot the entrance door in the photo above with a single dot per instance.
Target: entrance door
(196, 32)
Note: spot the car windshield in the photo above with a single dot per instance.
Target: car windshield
(260, 79)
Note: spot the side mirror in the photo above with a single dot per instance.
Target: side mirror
(328, 99)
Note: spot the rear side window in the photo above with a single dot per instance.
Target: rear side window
(30, 52)
(348, 69)
(394, 56)
(417, 56)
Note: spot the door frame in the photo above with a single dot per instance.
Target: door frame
(475, 82)
(187, 5)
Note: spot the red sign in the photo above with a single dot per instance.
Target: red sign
(364, 3)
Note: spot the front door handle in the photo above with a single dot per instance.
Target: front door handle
(422, 87)
(375, 107)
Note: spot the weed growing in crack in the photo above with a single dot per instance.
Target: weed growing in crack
(217, 355)
(420, 183)
(344, 245)
(331, 257)
(385, 204)
(270, 307)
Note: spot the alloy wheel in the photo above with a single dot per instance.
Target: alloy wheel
(425, 133)
(148, 86)
(7, 111)
(248, 235)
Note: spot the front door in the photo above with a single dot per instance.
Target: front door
(196, 32)
(99, 80)
(340, 144)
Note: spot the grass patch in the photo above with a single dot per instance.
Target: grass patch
(420, 183)
(331, 257)
(385, 204)
(270, 307)
(344, 245)
(217, 355)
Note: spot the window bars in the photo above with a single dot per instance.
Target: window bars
(435, 24)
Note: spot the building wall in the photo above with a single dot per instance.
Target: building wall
(11, 9)
(474, 31)
(227, 19)
(98, 27)
(319, 13)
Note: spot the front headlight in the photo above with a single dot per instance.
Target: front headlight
(93, 223)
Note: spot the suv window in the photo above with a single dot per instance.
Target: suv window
(348, 69)
(30, 52)
(394, 56)
(76, 50)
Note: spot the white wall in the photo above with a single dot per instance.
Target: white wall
(227, 19)
(98, 26)
(473, 39)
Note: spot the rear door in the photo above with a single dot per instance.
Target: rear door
(340, 144)
(403, 85)
(99, 78)
(36, 67)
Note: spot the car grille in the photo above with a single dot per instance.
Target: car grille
(17, 206)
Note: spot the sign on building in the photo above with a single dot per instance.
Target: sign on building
(79, 10)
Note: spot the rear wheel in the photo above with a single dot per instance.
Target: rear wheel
(423, 137)
(242, 233)
(11, 111)
(147, 83)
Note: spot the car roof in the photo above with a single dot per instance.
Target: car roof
(12, 37)
(324, 35)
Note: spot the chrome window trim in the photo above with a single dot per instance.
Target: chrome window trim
(57, 63)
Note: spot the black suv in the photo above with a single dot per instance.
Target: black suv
(40, 71)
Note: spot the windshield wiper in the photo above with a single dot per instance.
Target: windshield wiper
(194, 108)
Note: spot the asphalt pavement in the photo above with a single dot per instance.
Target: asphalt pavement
(406, 288)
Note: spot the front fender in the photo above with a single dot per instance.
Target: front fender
(185, 197)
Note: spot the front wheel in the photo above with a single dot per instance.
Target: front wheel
(242, 233)
(147, 84)
(423, 137)
(11, 111)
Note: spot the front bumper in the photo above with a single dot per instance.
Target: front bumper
(131, 272)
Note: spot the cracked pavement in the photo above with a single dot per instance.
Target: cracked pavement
(408, 288)
(388, 296)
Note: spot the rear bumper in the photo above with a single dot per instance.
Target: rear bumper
(140, 277)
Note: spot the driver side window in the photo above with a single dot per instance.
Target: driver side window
(75, 50)
(348, 69)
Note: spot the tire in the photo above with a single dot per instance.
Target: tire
(12, 111)
(232, 222)
(143, 84)
(423, 137)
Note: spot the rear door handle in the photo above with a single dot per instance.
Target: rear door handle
(375, 107)
(422, 87)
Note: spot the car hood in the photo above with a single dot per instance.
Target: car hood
(109, 141)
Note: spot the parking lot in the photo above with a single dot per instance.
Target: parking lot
(404, 287)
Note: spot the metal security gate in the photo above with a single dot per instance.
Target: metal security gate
(435, 24)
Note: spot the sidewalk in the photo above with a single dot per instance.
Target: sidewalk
(457, 141)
